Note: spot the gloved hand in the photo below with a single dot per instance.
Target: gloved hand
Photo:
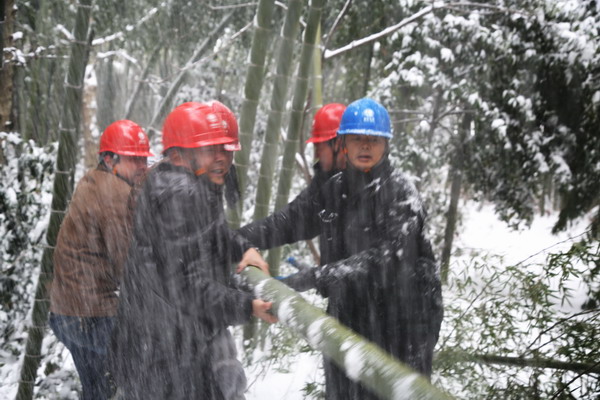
(301, 281)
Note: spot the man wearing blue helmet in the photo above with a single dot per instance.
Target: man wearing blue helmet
(377, 266)
(378, 270)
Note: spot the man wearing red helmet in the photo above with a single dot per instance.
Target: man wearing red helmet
(171, 339)
(283, 226)
(90, 251)
(324, 137)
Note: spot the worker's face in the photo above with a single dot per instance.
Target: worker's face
(131, 168)
(329, 155)
(365, 151)
(214, 161)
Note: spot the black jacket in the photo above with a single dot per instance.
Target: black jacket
(176, 294)
(378, 269)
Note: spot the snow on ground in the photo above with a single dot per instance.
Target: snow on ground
(482, 233)
(274, 385)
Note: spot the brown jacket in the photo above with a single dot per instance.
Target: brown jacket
(92, 247)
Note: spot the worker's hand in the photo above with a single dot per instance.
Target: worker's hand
(261, 310)
(253, 257)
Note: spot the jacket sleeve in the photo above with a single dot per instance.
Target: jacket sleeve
(187, 255)
(296, 221)
(239, 244)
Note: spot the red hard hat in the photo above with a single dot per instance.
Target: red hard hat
(193, 124)
(230, 123)
(326, 122)
(125, 138)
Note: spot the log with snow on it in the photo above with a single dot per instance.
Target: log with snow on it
(362, 360)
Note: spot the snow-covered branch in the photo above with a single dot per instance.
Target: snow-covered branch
(387, 31)
(357, 43)
(584, 368)
(228, 7)
(336, 22)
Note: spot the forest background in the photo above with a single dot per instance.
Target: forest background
(493, 103)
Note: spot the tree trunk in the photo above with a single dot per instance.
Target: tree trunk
(69, 130)
(278, 101)
(297, 116)
(107, 92)
(456, 177)
(90, 143)
(451, 216)
(271, 139)
(253, 86)
(362, 360)
(44, 90)
(6, 69)
(317, 73)
(316, 103)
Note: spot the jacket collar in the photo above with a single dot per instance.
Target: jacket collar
(321, 176)
(357, 180)
(202, 179)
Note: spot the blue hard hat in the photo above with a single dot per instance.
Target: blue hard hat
(366, 117)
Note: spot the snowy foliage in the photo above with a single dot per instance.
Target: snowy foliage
(505, 324)
(522, 72)
(25, 187)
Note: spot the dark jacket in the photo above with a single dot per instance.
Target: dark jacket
(176, 295)
(378, 269)
(91, 248)
(297, 221)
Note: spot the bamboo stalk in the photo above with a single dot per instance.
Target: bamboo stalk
(278, 101)
(253, 86)
(69, 131)
(362, 360)
(271, 140)
(297, 116)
